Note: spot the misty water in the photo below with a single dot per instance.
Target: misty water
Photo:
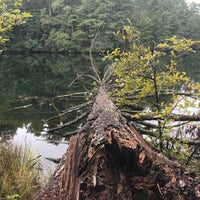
(27, 85)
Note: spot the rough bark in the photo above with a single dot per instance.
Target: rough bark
(108, 159)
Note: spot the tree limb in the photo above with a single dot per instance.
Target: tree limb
(175, 117)
(91, 58)
(182, 141)
(75, 108)
(76, 94)
(69, 123)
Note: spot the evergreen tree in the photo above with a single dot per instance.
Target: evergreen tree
(65, 25)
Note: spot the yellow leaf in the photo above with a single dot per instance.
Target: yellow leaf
(16, 11)
(123, 37)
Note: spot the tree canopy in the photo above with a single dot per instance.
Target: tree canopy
(70, 26)
(10, 15)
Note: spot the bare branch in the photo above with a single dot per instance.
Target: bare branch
(149, 125)
(54, 160)
(71, 133)
(21, 107)
(76, 79)
(79, 107)
(91, 58)
(172, 139)
(76, 94)
(175, 117)
(192, 154)
(166, 93)
(69, 123)
(144, 76)
(108, 73)
(75, 108)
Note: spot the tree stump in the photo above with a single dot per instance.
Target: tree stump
(109, 160)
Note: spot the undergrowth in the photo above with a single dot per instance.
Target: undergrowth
(19, 173)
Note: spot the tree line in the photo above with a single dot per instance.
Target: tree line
(70, 26)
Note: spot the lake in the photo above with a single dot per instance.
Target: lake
(28, 86)
(28, 83)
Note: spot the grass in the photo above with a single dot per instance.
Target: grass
(19, 173)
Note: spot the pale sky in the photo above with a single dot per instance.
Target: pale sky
(190, 1)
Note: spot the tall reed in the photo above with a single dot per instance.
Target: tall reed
(19, 173)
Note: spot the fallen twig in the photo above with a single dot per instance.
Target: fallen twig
(22, 107)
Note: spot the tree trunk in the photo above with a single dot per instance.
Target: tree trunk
(109, 160)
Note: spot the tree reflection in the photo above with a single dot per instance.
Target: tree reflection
(29, 82)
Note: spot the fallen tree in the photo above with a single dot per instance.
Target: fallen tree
(108, 159)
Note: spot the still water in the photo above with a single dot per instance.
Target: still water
(27, 85)
(40, 146)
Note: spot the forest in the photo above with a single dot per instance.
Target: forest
(70, 25)
(141, 101)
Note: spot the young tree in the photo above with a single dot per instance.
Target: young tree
(149, 78)
(10, 15)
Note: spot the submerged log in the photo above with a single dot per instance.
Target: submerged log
(108, 159)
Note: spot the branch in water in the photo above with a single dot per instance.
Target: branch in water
(72, 95)
(69, 123)
(75, 108)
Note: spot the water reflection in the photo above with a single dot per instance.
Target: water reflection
(40, 146)
(29, 82)
(27, 85)
(191, 65)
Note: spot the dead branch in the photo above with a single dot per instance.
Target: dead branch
(94, 68)
(194, 143)
(21, 107)
(167, 93)
(147, 124)
(54, 160)
(71, 133)
(77, 94)
(78, 77)
(175, 117)
(144, 131)
(129, 111)
(72, 109)
(192, 154)
(151, 133)
(68, 123)
(107, 75)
